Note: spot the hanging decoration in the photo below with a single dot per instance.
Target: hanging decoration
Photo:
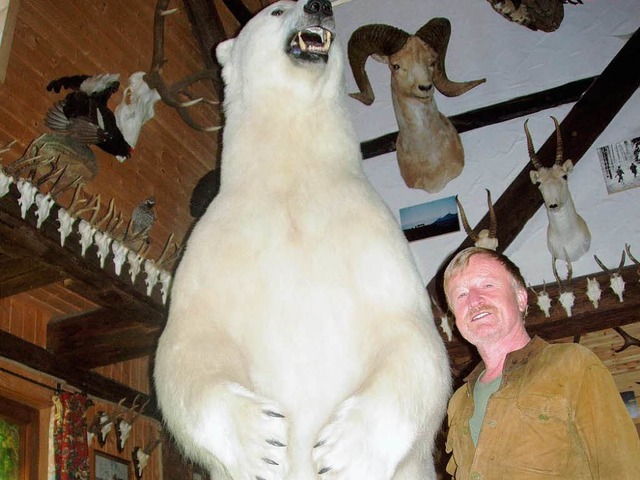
(70, 436)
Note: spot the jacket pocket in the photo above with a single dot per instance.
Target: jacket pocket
(539, 439)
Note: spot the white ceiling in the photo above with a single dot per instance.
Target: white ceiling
(515, 61)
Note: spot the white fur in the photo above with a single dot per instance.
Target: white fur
(297, 294)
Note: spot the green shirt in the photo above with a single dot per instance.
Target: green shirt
(481, 394)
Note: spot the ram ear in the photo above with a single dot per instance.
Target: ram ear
(223, 51)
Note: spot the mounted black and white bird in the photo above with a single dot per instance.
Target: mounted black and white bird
(84, 115)
(142, 219)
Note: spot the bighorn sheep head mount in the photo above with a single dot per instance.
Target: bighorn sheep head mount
(568, 236)
(428, 147)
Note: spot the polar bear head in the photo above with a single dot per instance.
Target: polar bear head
(287, 50)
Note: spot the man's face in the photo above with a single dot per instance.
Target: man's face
(487, 303)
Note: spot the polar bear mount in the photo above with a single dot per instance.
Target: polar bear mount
(300, 342)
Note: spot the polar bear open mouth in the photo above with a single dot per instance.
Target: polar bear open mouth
(311, 44)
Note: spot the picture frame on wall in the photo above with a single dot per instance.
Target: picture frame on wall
(110, 467)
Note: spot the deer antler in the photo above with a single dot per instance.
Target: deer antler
(170, 94)
(629, 340)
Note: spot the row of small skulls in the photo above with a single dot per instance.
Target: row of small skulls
(101, 232)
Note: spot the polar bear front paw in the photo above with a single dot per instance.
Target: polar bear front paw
(351, 445)
(248, 435)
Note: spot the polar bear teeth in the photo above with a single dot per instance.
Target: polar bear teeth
(313, 40)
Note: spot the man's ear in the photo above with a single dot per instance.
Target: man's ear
(523, 298)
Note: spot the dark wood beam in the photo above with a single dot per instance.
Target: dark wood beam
(19, 275)
(136, 318)
(83, 275)
(15, 349)
(101, 337)
(585, 317)
(500, 112)
(207, 30)
(580, 128)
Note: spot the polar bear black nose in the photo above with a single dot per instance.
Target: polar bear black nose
(322, 7)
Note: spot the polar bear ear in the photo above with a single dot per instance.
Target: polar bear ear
(223, 51)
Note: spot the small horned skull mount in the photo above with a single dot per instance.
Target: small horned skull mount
(616, 282)
(99, 428)
(627, 248)
(568, 237)
(594, 292)
(544, 300)
(125, 420)
(140, 457)
(567, 298)
(486, 238)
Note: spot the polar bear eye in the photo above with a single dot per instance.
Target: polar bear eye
(277, 12)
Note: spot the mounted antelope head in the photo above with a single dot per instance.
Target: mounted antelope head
(616, 281)
(428, 146)
(140, 457)
(124, 422)
(568, 236)
(485, 238)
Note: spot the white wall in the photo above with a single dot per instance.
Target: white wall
(515, 61)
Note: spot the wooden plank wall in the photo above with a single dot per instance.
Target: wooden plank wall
(114, 36)
(35, 390)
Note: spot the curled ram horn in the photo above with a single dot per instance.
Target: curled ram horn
(543, 300)
(594, 292)
(616, 282)
(567, 297)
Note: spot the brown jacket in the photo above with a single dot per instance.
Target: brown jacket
(557, 415)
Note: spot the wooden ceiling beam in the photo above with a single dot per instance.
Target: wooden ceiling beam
(102, 337)
(82, 275)
(26, 353)
(19, 275)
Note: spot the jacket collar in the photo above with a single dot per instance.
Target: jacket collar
(514, 359)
